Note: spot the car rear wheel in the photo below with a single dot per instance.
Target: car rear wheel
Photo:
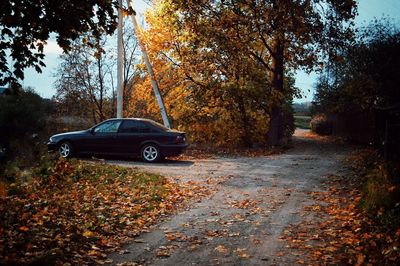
(65, 149)
(151, 153)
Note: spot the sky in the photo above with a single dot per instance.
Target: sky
(368, 10)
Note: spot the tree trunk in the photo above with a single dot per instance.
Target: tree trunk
(102, 90)
(276, 127)
(245, 122)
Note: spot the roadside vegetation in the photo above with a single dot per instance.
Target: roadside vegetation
(356, 220)
(24, 128)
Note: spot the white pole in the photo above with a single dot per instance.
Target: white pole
(120, 62)
(150, 70)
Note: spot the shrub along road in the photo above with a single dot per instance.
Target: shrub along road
(255, 201)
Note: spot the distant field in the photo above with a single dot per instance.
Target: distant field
(301, 121)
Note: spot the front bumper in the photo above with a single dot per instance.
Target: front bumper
(52, 146)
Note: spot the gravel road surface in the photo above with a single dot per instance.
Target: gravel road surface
(242, 222)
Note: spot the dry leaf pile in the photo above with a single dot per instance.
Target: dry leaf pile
(77, 212)
(337, 232)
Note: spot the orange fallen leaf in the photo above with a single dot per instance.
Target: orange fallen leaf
(221, 249)
(360, 259)
(241, 253)
(24, 228)
(163, 253)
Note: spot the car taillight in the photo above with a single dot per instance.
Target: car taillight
(180, 139)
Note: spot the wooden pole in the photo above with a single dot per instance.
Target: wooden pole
(146, 59)
(120, 62)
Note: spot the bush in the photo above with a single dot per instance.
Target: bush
(321, 125)
(380, 183)
(22, 119)
(379, 191)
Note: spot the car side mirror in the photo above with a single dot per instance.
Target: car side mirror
(91, 131)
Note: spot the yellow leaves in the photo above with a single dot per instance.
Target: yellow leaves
(88, 234)
(316, 208)
(93, 253)
(221, 249)
(241, 252)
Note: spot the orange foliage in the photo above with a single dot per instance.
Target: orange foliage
(213, 108)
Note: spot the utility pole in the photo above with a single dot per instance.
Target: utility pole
(120, 62)
(149, 68)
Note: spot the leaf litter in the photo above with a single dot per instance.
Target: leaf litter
(78, 212)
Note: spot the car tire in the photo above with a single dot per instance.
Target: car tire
(150, 153)
(65, 149)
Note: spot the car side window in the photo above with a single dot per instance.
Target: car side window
(146, 128)
(108, 127)
(129, 126)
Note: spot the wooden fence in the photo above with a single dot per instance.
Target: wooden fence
(380, 128)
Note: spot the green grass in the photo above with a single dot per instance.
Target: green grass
(302, 121)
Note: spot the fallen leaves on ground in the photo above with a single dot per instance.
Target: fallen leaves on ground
(337, 232)
(78, 212)
(205, 152)
(241, 252)
(222, 249)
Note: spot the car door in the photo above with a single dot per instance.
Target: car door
(150, 132)
(104, 137)
(129, 137)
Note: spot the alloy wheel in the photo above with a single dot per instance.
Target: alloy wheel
(150, 153)
(65, 150)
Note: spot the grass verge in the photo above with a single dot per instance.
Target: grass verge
(302, 122)
(75, 212)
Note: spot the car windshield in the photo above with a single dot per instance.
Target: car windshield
(157, 125)
(108, 127)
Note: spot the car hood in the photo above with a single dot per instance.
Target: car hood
(176, 131)
(72, 133)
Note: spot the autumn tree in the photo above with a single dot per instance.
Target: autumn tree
(217, 96)
(26, 26)
(275, 37)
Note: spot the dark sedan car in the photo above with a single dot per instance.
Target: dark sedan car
(130, 136)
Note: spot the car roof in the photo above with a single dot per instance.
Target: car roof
(130, 118)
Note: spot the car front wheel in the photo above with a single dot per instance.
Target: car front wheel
(151, 153)
(65, 149)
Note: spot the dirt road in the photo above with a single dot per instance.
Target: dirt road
(242, 222)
